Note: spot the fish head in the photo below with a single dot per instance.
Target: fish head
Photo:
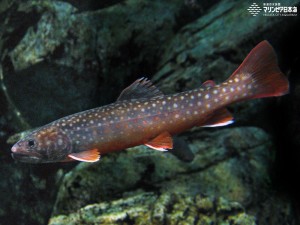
(47, 144)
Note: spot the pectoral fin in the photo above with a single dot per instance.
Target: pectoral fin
(162, 142)
(86, 156)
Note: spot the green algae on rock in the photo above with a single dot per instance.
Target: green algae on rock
(168, 208)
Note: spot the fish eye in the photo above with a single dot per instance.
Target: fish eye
(31, 143)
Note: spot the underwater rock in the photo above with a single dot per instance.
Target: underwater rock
(152, 208)
(230, 163)
(90, 5)
(83, 54)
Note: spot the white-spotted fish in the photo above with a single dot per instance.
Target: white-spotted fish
(142, 115)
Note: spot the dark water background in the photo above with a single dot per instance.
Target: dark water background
(62, 57)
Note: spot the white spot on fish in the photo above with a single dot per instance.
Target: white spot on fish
(192, 97)
(199, 103)
(177, 116)
(207, 105)
(236, 79)
(164, 102)
(59, 141)
(175, 105)
(207, 96)
(232, 89)
(181, 97)
(216, 100)
(215, 92)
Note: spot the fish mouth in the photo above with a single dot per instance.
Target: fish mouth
(25, 156)
(21, 157)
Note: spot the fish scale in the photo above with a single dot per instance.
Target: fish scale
(143, 115)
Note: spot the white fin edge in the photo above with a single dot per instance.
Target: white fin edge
(83, 160)
(220, 124)
(158, 149)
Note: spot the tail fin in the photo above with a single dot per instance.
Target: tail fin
(260, 71)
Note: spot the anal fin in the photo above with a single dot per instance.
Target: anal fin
(221, 117)
(86, 156)
(161, 143)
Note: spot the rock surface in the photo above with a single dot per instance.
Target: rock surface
(150, 208)
(85, 57)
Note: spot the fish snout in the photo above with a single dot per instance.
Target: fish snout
(14, 149)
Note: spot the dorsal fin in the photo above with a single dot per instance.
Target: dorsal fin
(208, 83)
(141, 88)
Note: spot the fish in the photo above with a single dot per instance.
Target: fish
(143, 115)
